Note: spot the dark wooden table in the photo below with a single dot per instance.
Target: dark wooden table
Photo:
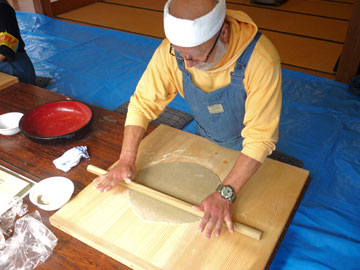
(34, 161)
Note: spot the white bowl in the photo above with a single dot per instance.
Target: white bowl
(9, 123)
(52, 193)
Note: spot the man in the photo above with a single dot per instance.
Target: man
(230, 75)
(13, 57)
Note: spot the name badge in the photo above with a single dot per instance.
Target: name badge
(216, 108)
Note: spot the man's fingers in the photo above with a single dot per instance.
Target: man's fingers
(203, 222)
(210, 226)
(108, 187)
(104, 184)
(198, 208)
(219, 226)
(124, 171)
(128, 180)
(229, 224)
(216, 212)
(98, 179)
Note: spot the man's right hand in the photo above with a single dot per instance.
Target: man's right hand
(123, 171)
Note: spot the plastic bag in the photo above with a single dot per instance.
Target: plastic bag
(2, 240)
(7, 219)
(31, 244)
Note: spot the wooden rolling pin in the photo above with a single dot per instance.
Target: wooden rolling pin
(185, 206)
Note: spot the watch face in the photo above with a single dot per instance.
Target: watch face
(227, 192)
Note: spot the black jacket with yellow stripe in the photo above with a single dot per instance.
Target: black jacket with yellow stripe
(10, 38)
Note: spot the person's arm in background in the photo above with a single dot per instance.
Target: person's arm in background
(8, 29)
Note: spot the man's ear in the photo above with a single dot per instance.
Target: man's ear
(225, 33)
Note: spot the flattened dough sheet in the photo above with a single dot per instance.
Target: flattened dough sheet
(186, 181)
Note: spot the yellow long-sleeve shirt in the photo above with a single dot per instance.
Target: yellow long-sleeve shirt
(162, 80)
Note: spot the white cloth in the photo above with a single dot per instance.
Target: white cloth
(71, 158)
(191, 33)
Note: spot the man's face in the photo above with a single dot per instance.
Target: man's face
(215, 58)
(204, 56)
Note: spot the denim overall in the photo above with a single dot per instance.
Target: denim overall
(20, 67)
(219, 115)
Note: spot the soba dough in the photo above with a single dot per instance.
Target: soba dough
(186, 181)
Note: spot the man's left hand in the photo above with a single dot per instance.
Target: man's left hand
(216, 211)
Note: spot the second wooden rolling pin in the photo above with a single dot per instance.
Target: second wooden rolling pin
(238, 227)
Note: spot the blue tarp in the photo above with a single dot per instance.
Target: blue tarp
(320, 125)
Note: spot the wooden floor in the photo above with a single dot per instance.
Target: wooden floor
(309, 34)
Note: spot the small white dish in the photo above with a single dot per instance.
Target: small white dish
(52, 193)
(9, 123)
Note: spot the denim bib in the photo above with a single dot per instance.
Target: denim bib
(219, 115)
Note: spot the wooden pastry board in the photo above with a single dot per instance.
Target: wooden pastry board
(7, 80)
(106, 222)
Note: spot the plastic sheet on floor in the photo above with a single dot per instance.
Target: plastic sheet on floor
(320, 125)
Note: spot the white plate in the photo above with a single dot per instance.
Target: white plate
(52, 193)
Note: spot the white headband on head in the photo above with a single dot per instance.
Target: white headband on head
(191, 33)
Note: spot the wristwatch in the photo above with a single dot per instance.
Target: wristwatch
(226, 192)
